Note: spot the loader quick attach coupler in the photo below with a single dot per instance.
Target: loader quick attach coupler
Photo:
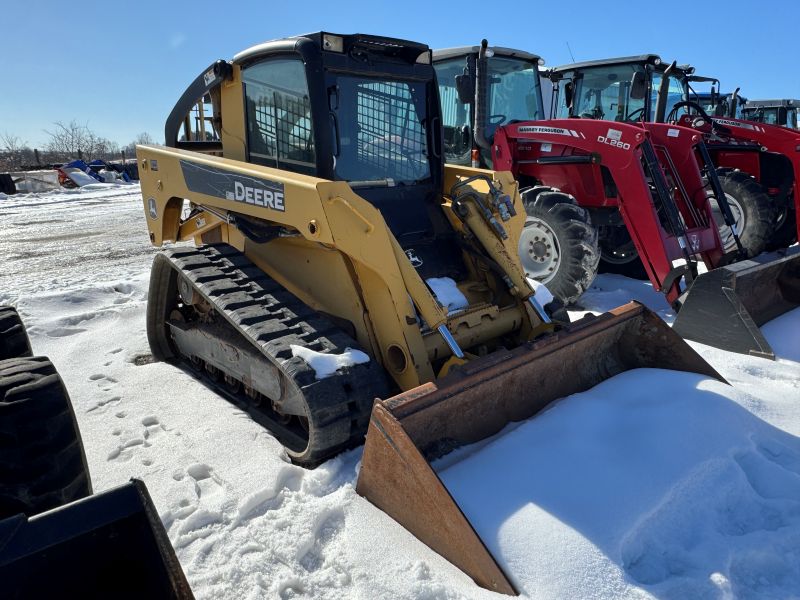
(478, 399)
(725, 307)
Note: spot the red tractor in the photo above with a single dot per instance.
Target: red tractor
(591, 191)
(630, 195)
(758, 164)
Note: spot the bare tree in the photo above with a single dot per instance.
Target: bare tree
(142, 138)
(13, 151)
(67, 140)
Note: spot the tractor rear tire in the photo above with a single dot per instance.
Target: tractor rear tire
(618, 254)
(42, 463)
(756, 217)
(558, 245)
(786, 232)
(14, 342)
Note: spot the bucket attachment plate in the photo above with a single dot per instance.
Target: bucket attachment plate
(109, 545)
(725, 307)
(477, 400)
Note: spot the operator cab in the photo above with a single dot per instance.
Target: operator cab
(618, 89)
(514, 94)
(356, 108)
(772, 112)
(719, 104)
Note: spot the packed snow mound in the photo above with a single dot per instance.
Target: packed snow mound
(447, 293)
(247, 524)
(325, 365)
(783, 334)
(657, 479)
(609, 291)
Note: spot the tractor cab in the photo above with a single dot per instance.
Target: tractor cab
(514, 93)
(618, 89)
(719, 104)
(772, 112)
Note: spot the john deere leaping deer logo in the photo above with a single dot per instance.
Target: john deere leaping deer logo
(416, 261)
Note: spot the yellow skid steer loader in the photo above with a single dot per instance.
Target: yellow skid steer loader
(337, 260)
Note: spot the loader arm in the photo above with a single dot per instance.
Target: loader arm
(542, 150)
(330, 214)
(678, 149)
(769, 138)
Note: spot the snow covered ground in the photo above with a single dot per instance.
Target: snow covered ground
(651, 485)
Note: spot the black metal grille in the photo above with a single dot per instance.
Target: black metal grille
(391, 140)
(281, 125)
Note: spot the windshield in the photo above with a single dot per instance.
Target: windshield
(606, 93)
(514, 92)
(763, 115)
(676, 92)
(380, 129)
(603, 93)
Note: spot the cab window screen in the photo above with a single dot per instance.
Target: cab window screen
(279, 129)
(381, 130)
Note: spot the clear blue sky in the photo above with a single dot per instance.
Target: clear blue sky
(121, 66)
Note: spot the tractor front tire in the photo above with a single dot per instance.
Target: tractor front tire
(558, 245)
(753, 209)
(42, 463)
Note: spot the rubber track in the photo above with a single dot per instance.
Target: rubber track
(14, 341)
(42, 463)
(272, 319)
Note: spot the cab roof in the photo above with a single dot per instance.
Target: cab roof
(446, 53)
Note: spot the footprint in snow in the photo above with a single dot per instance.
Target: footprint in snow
(100, 405)
(211, 507)
(59, 332)
(311, 554)
(102, 376)
(124, 451)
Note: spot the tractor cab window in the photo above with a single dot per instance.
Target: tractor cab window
(279, 130)
(676, 92)
(791, 118)
(603, 93)
(380, 128)
(768, 116)
(456, 119)
(514, 93)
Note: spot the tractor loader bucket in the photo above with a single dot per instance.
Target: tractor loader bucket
(477, 400)
(109, 545)
(725, 307)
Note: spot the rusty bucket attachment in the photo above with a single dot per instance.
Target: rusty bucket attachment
(110, 545)
(477, 400)
(725, 307)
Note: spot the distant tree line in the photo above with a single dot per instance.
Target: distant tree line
(66, 142)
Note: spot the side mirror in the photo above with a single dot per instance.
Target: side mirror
(569, 91)
(465, 88)
(714, 95)
(638, 86)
